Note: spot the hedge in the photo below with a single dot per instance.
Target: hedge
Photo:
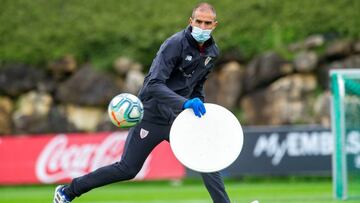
(38, 31)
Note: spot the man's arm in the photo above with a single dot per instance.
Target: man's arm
(199, 88)
(161, 69)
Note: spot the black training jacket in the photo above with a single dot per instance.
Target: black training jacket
(177, 73)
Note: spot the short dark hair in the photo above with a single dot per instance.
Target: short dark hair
(203, 6)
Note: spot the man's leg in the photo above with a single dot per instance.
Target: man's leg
(215, 185)
(135, 153)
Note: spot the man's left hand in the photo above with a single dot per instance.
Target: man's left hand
(197, 105)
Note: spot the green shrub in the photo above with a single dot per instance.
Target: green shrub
(37, 31)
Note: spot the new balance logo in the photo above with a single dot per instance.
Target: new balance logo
(188, 58)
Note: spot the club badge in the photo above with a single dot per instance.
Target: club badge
(207, 60)
(143, 133)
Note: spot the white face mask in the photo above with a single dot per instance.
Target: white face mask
(200, 35)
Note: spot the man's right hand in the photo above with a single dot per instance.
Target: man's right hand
(197, 106)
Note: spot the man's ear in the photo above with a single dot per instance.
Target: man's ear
(215, 24)
(190, 21)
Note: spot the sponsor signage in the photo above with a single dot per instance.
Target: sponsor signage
(59, 158)
(285, 150)
(302, 150)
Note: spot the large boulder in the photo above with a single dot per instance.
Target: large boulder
(314, 41)
(322, 109)
(356, 47)
(134, 81)
(230, 84)
(84, 118)
(351, 62)
(252, 106)
(225, 85)
(305, 61)
(339, 49)
(311, 42)
(16, 79)
(123, 65)
(265, 69)
(32, 112)
(287, 101)
(6, 107)
(58, 121)
(88, 87)
(63, 67)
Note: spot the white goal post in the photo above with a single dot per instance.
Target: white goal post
(345, 116)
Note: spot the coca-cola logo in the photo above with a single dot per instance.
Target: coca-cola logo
(60, 159)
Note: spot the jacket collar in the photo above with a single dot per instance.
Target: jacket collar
(193, 42)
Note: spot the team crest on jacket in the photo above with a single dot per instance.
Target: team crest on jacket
(207, 60)
(143, 133)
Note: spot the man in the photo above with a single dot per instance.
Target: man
(175, 82)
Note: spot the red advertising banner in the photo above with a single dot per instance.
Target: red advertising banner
(61, 157)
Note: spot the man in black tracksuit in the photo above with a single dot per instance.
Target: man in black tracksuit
(175, 82)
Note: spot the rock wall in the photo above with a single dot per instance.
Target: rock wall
(269, 89)
(272, 90)
(63, 97)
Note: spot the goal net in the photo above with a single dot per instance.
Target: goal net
(345, 115)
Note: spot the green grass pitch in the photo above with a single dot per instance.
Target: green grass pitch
(268, 191)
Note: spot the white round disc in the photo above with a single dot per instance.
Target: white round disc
(207, 144)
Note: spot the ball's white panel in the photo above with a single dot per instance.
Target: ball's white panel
(125, 110)
(206, 144)
(135, 112)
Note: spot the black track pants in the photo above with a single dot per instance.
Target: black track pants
(135, 153)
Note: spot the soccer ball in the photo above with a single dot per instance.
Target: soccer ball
(125, 110)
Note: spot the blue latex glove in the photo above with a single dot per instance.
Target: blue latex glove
(197, 105)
